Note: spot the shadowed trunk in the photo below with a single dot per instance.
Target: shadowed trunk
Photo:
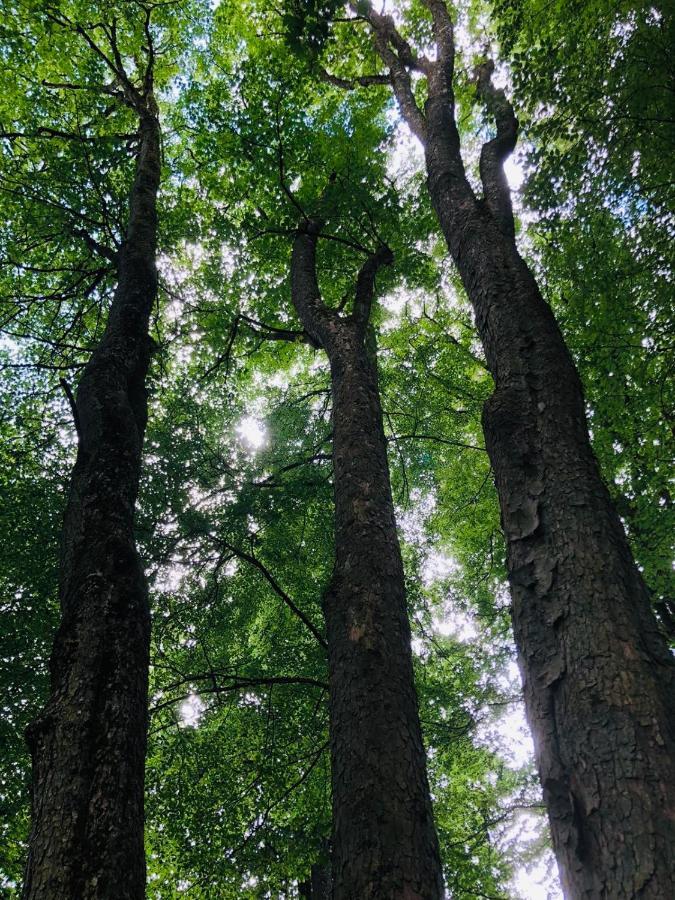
(384, 840)
(598, 678)
(88, 745)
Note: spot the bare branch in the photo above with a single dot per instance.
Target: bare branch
(438, 440)
(236, 684)
(396, 54)
(148, 78)
(282, 168)
(444, 34)
(257, 564)
(73, 405)
(94, 245)
(262, 330)
(350, 84)
(494, 152)
(47, 133)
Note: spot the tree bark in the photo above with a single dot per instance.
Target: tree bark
(88, 745)
(599, 681)
(384, 839)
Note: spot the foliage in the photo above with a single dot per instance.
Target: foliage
(235, 515)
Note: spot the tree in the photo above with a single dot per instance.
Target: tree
(235, 516)
(599, 137)
(272, 514)
(88, 743)
(563, 533)
(378, 765)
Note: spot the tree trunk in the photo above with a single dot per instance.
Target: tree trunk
(599, 681)
(319, 886)
(384, 839)
(598, 678)
(88, 745)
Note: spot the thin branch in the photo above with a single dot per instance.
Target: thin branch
(257, 564)
(438, 440)
(270, 480)
(282, 169)
(237, 684)
(265, 332)
(73, 406)
(350, 84)
(94, 245)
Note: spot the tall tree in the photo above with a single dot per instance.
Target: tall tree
(250, 528)
(384, 840)
(597, 116)
(88, 743)
(598, 678)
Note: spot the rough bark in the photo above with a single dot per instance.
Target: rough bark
(384, 839)
(88, 745)
(598, 679)
(319, 886)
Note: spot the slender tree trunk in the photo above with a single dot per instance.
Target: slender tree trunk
(598, 678)
(384, 841)
(88, 745)
(319, 886)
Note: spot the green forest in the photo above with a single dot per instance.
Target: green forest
(336, 441)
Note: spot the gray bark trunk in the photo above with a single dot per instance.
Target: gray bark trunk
(599, 681)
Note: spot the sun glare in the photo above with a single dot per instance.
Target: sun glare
(252, 432)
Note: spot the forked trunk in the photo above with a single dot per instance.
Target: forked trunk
(88, 745)
(598, 679)
(384, 839)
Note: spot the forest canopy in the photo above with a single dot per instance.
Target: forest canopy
(227, 184)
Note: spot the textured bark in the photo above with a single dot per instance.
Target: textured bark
(319, 886)
(88, 745)
(598, 678)
(384, 839)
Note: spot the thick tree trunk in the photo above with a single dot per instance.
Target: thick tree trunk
(88, 745)
(598, 678)
(384, 840)
(383, 820)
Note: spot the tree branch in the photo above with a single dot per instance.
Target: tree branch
(282, 169)
(438, 440)
(396, 54)
(317, 319)
(95, 246)
(444, 34)
(237, 684)
(350, 84)
(255, 562)
(495, 186)
(73, 406)
(365, 284)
